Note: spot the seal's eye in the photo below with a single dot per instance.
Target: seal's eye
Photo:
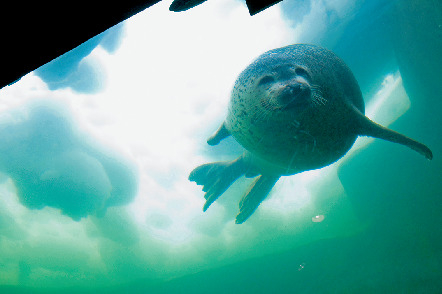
(266, 80)
(302, 73)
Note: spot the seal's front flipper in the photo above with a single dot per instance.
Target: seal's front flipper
(258, 191)
(368, 127)
(217, 177)
(220, 134)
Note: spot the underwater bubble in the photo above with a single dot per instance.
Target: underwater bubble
(301, 266)
(318, 218)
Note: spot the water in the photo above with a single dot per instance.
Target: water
(97, 148)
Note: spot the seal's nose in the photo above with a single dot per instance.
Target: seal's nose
(294, 89)
(293, 94)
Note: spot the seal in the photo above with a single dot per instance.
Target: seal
(293, 109)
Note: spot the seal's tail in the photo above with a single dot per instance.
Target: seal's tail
(217, 177)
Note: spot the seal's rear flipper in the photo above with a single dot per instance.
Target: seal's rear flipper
(258, 191)
(368, 127)
(217, 177)
(220, 134)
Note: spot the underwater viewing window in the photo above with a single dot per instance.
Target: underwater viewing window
(218, 150)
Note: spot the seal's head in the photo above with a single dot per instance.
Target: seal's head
(287, 88)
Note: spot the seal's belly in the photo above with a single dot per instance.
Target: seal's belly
(291, 143)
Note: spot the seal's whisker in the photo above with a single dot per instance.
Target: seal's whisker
(296, 124)
(291, 160)
(264, 115)
(318, 98)
(316, 102)
(261, 114)
(313, 139)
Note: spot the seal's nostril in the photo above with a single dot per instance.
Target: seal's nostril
(295, 89)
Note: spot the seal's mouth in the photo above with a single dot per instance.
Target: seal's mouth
(292, 95)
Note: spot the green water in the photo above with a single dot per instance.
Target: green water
(91, 201)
